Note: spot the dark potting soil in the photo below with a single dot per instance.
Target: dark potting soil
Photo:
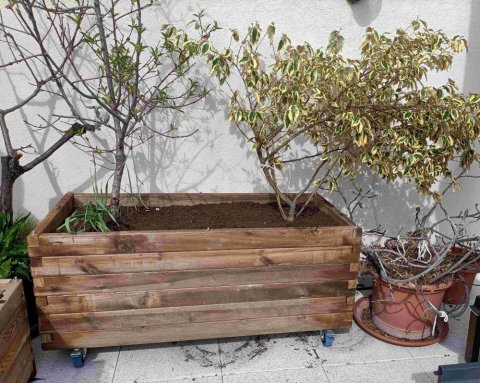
(218, 216)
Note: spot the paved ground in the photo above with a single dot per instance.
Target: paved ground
(354, 357)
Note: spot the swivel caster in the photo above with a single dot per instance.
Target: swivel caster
(327, 338)
(78, 357)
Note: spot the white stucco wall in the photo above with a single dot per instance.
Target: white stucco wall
(216, 158)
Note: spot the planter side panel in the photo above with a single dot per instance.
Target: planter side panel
(17, 362)
(106, 289)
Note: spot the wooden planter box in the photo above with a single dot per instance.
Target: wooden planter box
(17, 364)
(119, 288)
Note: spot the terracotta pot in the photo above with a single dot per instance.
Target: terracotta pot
(456, 294)
(364, 304)
(401, 311)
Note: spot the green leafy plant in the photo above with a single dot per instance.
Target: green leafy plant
(369, 112)
(91, 216)
(14, 261)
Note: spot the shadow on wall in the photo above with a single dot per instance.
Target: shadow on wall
(174, 161)
(470, 191)
(393, 207)
(472, 68)
(365, 11)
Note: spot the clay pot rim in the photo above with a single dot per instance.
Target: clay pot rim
(364, 302)
(429, 289)
(467, 269)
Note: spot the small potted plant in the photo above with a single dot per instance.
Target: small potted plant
(415, 274)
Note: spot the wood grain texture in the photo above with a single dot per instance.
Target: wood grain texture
(77, 303)
(62, 244)
(180, 332)
(16, 356)
(198, 260)
(124, 319)
(119, 288)
(190, 279)
(53, 219)
(23, 366)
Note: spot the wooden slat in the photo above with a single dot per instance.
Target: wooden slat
(179, 332)
(23, 366)
(13, 331)
(60, 304)
(12, 291)
(13, 336)
(124, 319)
(198, 260)
(58, 285)
(54, 218)
(61, 244)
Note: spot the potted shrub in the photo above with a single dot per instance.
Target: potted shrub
(17, 363)
(459, 292)
(144, 286)
(414, 275)
(372, 111)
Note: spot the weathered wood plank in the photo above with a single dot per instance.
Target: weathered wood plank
(61, 244)
(58, 285)
(77, 303)
(198, 260)
(124, 319)
(12, 291)
(179, 332)
(13, 330)
(23, 366)
(13, 336)
(54, 218)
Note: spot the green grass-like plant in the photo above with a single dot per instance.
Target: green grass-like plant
(14, 261)
(92, 216)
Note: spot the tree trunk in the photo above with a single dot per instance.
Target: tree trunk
(120, 161)
(11, 170)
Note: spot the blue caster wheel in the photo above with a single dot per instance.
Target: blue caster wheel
(327, 338)
(78, 357)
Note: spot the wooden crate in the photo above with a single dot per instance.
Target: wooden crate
(17, 364)
(119, 288)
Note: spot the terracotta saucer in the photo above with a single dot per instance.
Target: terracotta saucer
(364, 304)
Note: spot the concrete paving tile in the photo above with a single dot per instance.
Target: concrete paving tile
(453, 344)
(55, 366)
(168, 361)
(269, 353)
(356, 346)
(304, 375)
(205, 379)
(400, 371)
(430, 365)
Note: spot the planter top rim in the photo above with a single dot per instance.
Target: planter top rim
(223, 230)
(47, 225)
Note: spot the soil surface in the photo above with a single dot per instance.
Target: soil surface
(408, 266)
(218, 216)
